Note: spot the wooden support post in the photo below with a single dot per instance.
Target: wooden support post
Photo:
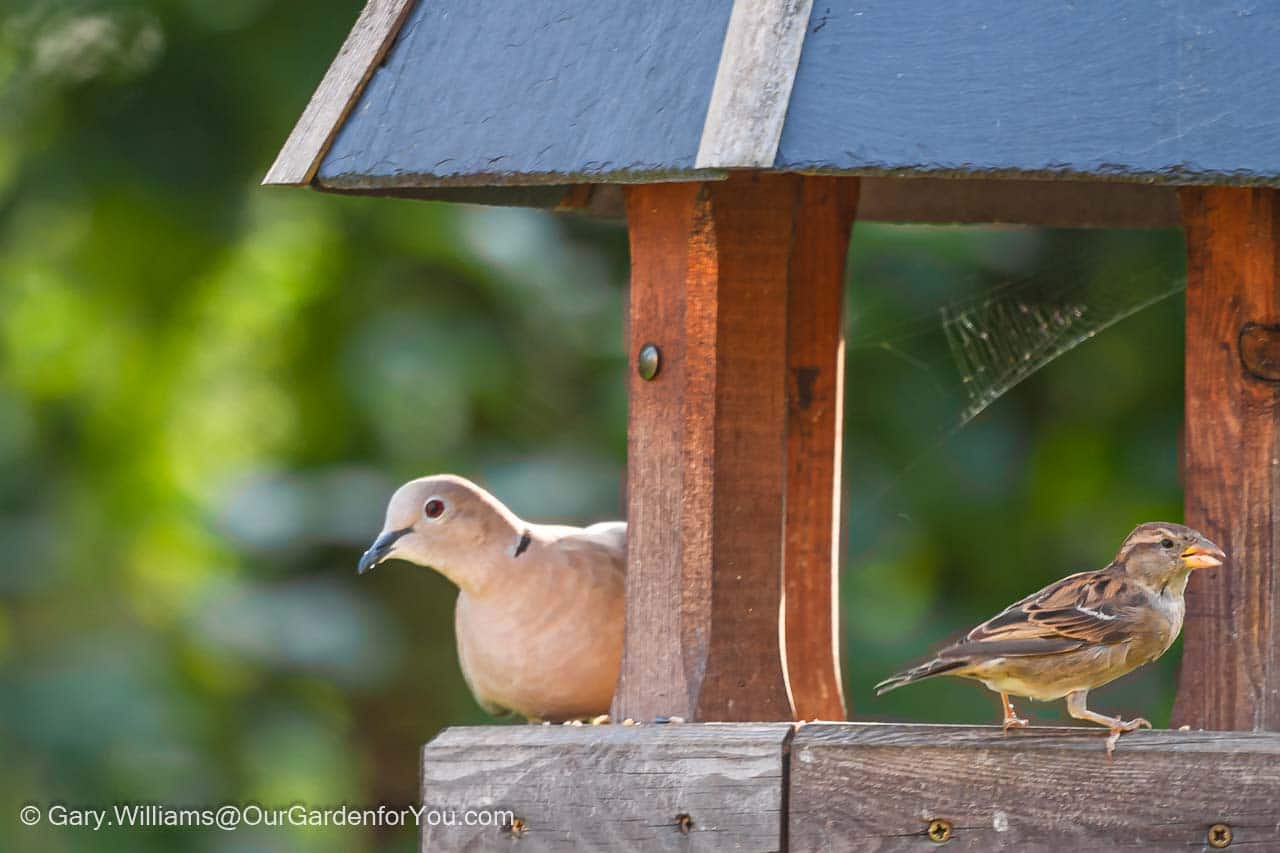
(1230, 676)
(815, 423)
(708, 452)
(666, 628)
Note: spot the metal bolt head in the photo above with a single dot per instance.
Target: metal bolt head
(649, 362)
(1219, 836)
(684, 823)
(939, 831)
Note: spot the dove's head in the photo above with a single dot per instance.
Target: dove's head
(1159, 551)
(447, 523)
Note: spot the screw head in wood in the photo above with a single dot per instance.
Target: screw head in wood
(1219, 836)
(684, 823)
(649, 362)
(939, 831)
(516, 828)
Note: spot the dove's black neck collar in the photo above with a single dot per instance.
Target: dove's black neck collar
(523, 544)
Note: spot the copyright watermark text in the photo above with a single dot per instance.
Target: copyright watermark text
(232, 816)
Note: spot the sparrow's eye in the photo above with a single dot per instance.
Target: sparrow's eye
(1166, 544)
(433, 508)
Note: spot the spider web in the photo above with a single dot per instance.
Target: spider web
(1002, 338)
(958, 358)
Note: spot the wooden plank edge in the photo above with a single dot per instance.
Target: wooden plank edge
(365, 47)
(563, 734)
(901, 788)
(1037, 738)
(752, 89)
(930, 201)
(473, 766)
(1072, 204)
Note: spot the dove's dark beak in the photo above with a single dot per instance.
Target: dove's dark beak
(1203, 555)
(380, 549)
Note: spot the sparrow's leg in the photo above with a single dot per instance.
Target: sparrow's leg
(1076, 708)
(1011, 719)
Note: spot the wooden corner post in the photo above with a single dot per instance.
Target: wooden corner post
(815, 434)
(734, 417)
(1230, 677)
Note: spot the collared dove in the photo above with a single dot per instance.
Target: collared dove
(540, 607)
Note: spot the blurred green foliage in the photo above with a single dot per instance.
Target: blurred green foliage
(209, 389)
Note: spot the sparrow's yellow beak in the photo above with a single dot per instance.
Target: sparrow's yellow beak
(1204, 555)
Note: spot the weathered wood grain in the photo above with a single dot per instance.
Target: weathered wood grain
(707, 454)
(876, 788)
(815, 407)
(597, 788)
(366, 45)
(753, 84)
(1231, 651)
(1170, 92)
(668, 581)
(745, 259)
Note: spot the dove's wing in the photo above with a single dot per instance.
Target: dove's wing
(600, 546)
(608, 536)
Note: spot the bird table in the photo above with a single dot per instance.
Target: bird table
(741, 139)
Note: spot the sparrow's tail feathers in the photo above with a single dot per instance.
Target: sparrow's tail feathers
(937, 666)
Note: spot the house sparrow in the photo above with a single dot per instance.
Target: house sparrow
(540, 608)
(1083, 631)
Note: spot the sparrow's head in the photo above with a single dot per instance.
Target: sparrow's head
(1159, 550)
(445, 522)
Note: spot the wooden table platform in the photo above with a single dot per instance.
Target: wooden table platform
(852, 787)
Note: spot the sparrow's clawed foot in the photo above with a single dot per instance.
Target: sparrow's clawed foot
(1076, 707)
(1120, 728)
(1011, 718)
(1135, 724)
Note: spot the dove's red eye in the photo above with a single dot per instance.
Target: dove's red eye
(434, 508)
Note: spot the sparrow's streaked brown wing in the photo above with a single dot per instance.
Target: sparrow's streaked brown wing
(1091, 608)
